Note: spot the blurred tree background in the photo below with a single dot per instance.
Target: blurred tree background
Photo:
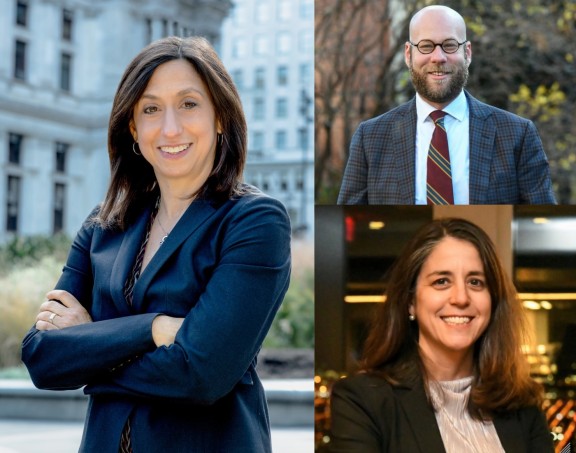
(523, 61)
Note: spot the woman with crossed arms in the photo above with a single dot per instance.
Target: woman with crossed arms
(172, 283)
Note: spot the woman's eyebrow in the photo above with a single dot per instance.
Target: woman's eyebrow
(183, 92)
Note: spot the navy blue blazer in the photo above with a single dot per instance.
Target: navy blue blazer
(225, 268)
(371, 416)
(507, 162)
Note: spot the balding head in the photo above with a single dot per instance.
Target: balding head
(437, 18)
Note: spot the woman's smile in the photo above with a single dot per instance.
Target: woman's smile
(174, 149)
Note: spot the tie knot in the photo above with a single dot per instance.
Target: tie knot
(438, 115)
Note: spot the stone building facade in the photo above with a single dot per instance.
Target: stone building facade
(61, 63)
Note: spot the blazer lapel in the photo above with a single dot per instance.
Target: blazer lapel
(482, 136)
(421, 418)
(129, 248)
(510, 434)
(196, 214)
(405, 146)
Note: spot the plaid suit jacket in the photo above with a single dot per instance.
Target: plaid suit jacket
(507, 162)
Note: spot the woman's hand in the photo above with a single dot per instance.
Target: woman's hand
(61, 310)
(164, 329)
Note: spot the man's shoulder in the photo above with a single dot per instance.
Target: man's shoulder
(392, 116)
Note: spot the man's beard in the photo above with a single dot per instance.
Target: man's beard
(442, 92)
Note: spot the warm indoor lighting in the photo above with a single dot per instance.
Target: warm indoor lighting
(364, 299)
(531, 305)
(547, 296)
(376, 225)
(540, 220)
(546, 305)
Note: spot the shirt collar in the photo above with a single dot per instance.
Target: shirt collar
(456, 109)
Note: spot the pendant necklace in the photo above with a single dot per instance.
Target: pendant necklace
(165, 232)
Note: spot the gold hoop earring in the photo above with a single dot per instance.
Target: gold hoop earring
(134, 149)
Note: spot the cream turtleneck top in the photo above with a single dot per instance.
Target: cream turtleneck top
(460, 432)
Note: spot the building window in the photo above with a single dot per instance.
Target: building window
(305, 73)
(20, 60)
(306, 9)
(12, 203)
(262, 11)
(300, 184)
(59, 203)
(258, 108)
(284, 10)
(239, 48)
(281, 140)
(281, 108)
(238, 77)
(306, 42)
(14, 148)
(257, 141)
(149, 30)
(65, 71)
(67, 21)
(303, 138)
(282, 75)
(61, 154)
(261, 45)
(239, 14)
(283, 43)
(260, 78)
(164, 28)
(22, 13)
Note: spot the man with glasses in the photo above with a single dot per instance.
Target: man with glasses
(444, 146)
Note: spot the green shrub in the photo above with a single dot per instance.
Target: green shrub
(28, 251)
(293, 326)
(21, 292)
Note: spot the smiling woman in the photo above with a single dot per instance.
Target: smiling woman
(442, 369)
(156, 313)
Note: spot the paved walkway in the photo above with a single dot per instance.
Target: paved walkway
(28, 436)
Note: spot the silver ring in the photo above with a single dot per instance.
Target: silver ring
(51, 318)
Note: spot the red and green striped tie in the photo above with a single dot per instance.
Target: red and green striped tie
(439, 176)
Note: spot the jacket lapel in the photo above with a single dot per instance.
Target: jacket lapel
(125, 258)
(196, 214)
(405, 144)
(510, 434)
(482, 136)
(421, 418)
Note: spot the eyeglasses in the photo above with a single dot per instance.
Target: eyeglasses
(448, 46)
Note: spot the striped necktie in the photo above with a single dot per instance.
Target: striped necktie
(439, 176)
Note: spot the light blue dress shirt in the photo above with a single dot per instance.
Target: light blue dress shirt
(457, 124)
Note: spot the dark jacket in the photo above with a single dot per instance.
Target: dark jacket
(371, 416)
(225, 268)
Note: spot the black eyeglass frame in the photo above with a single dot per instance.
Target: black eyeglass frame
(450, 40)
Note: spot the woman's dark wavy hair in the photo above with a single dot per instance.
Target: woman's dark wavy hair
(501, 379)
(133, 182)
